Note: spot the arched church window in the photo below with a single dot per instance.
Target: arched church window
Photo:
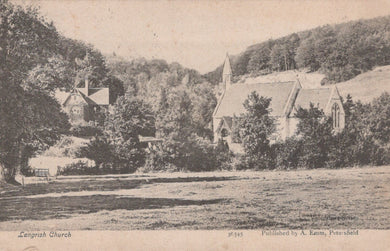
(336, 115)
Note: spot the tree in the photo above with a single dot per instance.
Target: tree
(380, 118)
(99, 150)
(240, 63)
(31, 119)
(129, 119)
(277, 58)
(315, 128)
(364, 139)
(92, 66)
(257, 126)
(115, 86)
(174, 125)
(306, 55)
(203, 101)
(56, 73)
(26, 40)
(259, 60)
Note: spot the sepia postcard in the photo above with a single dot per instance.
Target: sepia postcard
(194, 125)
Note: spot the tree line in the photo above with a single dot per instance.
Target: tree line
(364, 140)
(339, 51)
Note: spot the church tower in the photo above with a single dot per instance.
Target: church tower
(227, 73)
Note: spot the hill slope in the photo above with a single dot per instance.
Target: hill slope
(367, 86)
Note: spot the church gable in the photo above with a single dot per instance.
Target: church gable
(323, 98)
(319, 97)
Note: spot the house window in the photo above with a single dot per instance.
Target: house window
(336, 116)
(76, 110)
(224, 133)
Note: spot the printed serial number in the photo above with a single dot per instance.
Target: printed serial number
(235, 234)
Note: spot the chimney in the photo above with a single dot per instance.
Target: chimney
(86, 86)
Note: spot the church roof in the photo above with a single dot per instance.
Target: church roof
(232, 101)
(319, 97)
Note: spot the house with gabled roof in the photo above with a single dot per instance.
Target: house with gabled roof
(286, 98)
(85, 105)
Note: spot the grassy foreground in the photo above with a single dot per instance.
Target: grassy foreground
(307, 199)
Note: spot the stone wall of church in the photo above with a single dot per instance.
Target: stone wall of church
(216, 122)
(291, 126)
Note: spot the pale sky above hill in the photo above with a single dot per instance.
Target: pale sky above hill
(197, 34)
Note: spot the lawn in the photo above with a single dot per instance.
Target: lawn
(303, 199)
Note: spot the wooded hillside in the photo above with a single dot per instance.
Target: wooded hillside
(339, 51)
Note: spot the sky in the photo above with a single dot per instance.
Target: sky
(196, 34)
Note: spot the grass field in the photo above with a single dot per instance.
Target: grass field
(308, 199)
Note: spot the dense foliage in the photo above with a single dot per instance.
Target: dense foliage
(181, 103)
(256, 128)
(31, 119)
(340, 51)
(362, 142)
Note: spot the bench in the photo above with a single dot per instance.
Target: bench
(41, 172)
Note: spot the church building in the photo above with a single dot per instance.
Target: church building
(286, 98)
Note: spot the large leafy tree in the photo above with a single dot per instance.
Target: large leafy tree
(256, 128)
(31, 119)
(174, 125)
(380, 118)
(55, 73)
(315, 128)
(129, 119)
(364, 139)
(204, 101)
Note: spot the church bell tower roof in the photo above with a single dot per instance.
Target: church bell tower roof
(227, 69)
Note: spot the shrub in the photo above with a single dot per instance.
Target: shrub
(98, 150)
(240, 162)
(157, 160)
(288, 153)
(223, 156)
(85, 131)
(200, 156)
(79, 168)
(195, 154)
